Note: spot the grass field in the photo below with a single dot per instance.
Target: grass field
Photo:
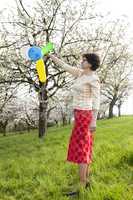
(34, 169)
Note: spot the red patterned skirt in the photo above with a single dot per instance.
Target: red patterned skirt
(81, 139)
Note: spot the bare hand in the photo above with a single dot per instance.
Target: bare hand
(92, 129)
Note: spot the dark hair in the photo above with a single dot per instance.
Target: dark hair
(93, 59)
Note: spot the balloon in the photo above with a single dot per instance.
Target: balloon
(41, 70)
(35, 53)
(48, 48)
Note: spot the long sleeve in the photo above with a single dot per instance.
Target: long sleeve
(72, 70)
(94, 118)
(95, 101)
(95, 89)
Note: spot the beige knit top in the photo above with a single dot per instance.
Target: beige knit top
(86, 88)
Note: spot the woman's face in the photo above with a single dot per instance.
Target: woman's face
(85, 64)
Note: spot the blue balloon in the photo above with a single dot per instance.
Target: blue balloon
(35, 53)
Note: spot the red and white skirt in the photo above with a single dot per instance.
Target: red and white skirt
(81, 139)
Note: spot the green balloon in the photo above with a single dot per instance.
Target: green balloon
(48, 48)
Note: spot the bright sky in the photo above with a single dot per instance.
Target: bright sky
(117, 8)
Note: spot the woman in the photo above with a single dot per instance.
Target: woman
(86, 103)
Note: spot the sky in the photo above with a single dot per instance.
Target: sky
(117, 8)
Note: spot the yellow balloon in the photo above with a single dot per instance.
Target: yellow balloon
(41, 70)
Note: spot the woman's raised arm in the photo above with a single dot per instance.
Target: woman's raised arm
(75, 71)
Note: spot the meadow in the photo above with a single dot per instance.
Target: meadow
(36, 169)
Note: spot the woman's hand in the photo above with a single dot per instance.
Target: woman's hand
(93, 121)
(93, 129)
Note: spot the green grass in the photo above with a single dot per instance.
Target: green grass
(35, 169)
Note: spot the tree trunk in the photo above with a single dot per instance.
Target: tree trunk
(64, 119)
(98, 115)
(111, 106)
(43, 104)
(69, 120)
(4, 131)
(3, 126)
(111, 110)
(56, 121)
(119, 110)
